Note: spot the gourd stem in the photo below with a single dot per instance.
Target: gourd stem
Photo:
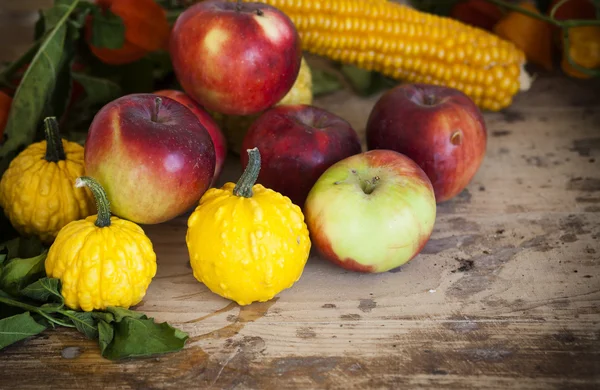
(248, 178)
(55, 151)
(102, 203)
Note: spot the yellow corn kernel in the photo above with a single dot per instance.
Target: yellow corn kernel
(407, 44)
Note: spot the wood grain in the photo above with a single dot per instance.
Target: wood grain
(505, 294)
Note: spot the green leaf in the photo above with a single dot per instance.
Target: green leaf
(106, 334)
(120, 313)
(84, 322)
(52, 16)
(360, 79)
(23, 247)
(43, 290)
(103, 316)
(18, 327)
(97, 90)
(19, 272)
(33, 92)
(143, 337)
(10, 248)
(364, 82)
(324, 82)
(108, 30)
(28, 247)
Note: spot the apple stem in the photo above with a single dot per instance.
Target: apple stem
(250, 175)
(55, 151)
(157, 103)
(369, 185)
(102, 203)
(238, 6)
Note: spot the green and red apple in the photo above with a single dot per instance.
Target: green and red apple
(152, 156)
(438, 127)
(371, 212)
(235, 58)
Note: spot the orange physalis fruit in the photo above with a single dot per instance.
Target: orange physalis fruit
(533, 36)
(146, 30)
(584, 49)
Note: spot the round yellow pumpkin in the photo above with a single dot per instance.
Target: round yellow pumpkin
(101, 260)
(246, 242)
(37, 191)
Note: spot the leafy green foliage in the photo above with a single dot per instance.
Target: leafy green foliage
(97, 90)
(36, 87)
(17, 328)
(324, 82)
(108, 30)
(84, 322)
(33, 302)
(339, 76)
(18, 273)
(135, 337)
(44, 290)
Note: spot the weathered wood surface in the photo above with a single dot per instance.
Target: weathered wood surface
(505, 294)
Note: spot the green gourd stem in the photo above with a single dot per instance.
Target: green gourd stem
(55, 151)
(248, 178)
(102, 203)
(38, 310)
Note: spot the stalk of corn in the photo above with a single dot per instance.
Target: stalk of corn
(409, 45)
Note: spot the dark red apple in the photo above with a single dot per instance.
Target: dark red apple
(438, 127)
(298, 143)
(219, 141)
(152, 156)
(235, 58)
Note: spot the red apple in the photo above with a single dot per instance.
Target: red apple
(235, 58)
(371, 212)
(298, 143)
(219, 141)
(152, 156)
(438, 127)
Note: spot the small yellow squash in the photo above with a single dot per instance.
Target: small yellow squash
(37, 192)
(246, 242)
(101, 260)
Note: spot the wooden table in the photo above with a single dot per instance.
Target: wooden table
(505, 294)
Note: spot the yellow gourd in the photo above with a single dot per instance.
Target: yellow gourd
(36, 191)
(246, 242)
(101, 260)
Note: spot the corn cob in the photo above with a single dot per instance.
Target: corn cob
(409, 45)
